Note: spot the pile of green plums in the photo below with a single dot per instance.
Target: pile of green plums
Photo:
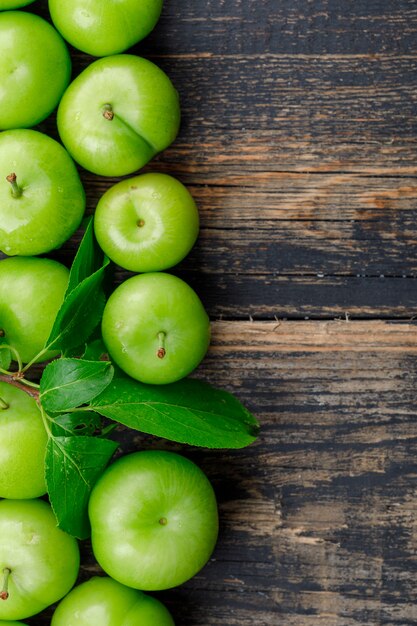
(112, 119)
(153, 514)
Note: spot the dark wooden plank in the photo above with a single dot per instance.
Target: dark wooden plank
(329, 232)
(238, 296)
(228, 198)
(298, 223)
(285, 113)
(235, 293)
(374, 247)
(320, 27)
(336, 403)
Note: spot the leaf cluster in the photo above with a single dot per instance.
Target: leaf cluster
(83, 397)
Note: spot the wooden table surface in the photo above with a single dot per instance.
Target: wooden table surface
(299, 143)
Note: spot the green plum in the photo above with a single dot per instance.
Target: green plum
(102, 28)
(42, 200)
(8, 623)
(23, 442)
(118, 114)
(105, 602)
(154, 520)
(13, 4)
(155, 328)
(147, 223)
(35, 69)
(39, 563)
(31, 292)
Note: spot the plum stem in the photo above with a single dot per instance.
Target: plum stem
(4, 593)
(163, 521)
(161, 352)
(3, 404)
(32, 389)
(16, 356)
(16, 190)
(2, 333)
(108, 112)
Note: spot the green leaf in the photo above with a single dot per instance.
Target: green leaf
(189, 411)
(68, 383)
(78, 423)
(79, 314)
(84, 300)
(89, 258)
(73, 465)
(96, 351)
(75, 353)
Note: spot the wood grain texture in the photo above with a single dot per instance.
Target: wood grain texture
(302, 113)
(336, 501)
(286, 27)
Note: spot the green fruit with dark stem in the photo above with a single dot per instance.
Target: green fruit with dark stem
(102, 28)
(38, 562)
(147, 223)
(155, 328)
(42, 200)
(23, 442)
(31, 292)
(105, 602)
(35, 69)
(118, 114)
(153, 520)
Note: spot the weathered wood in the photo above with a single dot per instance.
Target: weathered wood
(286, 113)
(239, 296)
(320, 27)
(335, 503)
(300, 223)
(261, 200)
(289, 244)
(260, 338)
